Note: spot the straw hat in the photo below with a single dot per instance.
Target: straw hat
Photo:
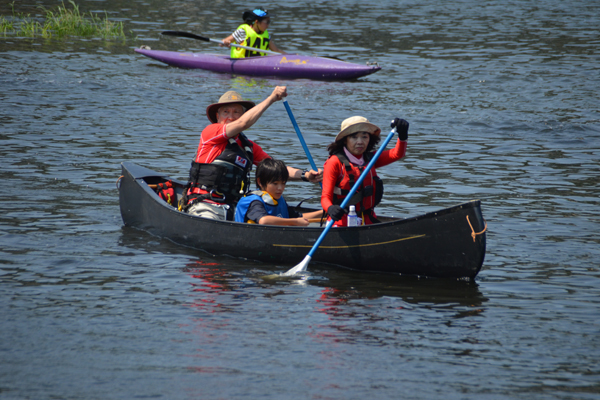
(230, 97)
(357, 124)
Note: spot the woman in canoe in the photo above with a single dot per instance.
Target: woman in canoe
(349, 154)
(252, 33)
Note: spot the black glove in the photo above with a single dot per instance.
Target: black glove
(336, 212)
(401, 127)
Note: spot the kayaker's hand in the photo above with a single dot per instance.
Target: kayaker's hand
(401, 127)
(279, 93)
(225, 43)
(336, 212)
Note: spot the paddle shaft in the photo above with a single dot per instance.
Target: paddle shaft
(198, 37)
(352, 191)
(300, 137)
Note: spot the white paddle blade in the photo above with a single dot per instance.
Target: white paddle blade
(298, 268)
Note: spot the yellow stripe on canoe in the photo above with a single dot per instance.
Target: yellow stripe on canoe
(348, 247)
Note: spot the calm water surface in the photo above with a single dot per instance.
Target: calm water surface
(502, 98)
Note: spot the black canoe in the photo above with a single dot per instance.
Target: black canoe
(449, 243)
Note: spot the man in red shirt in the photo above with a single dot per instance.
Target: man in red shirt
(220, 172)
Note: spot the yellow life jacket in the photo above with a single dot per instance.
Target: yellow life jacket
(253, 39)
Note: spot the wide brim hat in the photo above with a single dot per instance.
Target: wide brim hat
(357, 124)
(230, 97)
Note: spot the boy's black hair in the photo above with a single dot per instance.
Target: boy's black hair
(271, 170)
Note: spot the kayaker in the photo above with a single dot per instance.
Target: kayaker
(252, 33)
(268, 206)
(349, 154)
(220, 172)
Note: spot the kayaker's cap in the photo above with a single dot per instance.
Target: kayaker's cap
(259, 13)
(230, 97)
(357, 124)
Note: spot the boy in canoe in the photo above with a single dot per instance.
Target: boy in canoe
(252, 33)
(220, 172)
(267, 206)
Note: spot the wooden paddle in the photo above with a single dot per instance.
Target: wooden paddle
(198, 37)
(304, 264)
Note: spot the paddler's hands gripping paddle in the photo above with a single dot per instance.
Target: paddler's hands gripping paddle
(304, 264)
(198, 37)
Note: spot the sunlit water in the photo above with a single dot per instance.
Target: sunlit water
(502, 98)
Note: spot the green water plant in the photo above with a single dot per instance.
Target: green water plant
(61, 22)
(6, 25)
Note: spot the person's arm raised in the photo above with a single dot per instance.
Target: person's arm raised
(252, 115)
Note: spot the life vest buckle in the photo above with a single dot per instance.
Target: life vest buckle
(219, 196)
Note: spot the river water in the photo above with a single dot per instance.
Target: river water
(502, 98)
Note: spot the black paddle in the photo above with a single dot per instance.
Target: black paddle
(198, 37)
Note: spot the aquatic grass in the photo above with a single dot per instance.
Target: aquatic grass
(6, 25)
(28, 28)
(62, 22)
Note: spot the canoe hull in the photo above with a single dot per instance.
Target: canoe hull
(284, 66)
(438, 244)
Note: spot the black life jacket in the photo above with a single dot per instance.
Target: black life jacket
(227, 178)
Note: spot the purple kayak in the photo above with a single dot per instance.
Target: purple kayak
(282, 66)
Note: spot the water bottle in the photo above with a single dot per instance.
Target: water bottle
(352, 217)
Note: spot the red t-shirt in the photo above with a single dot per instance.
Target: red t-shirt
(213, 141)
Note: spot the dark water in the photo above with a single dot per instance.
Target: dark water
(502, 98)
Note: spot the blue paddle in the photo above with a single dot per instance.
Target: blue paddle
(302, 142)
(304, 264)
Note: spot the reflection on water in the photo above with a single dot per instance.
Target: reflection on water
(246, 84)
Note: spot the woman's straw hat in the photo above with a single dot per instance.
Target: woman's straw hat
(357, 124)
